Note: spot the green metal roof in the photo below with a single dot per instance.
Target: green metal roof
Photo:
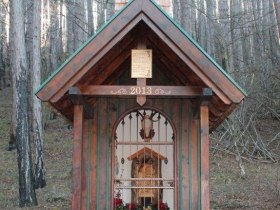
(172, 20)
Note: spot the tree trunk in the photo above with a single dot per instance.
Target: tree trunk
(225, 41)
(100, 13)
(27, 196)
(40, 181)
(13, 127)
(202, 36)
(235, 14)
(60, 31)
(211, 25)
(110, 9)
(188, 16)
(274, 38)
(177, 11)
(70, 26)
(80, 24)
(28, 5)
(5, 45)
(2, 43)
(90, 18)
(257, 38)
(54, 36)
(277, 11)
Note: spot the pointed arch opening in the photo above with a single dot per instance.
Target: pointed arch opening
(143, 154)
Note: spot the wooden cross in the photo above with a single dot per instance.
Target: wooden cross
(141, 100)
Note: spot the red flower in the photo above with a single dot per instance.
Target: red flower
(131, 206)
(162, 206)
(117, 201)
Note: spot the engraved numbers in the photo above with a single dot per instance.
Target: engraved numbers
(141, 90)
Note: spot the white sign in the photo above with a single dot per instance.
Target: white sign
(141, 63)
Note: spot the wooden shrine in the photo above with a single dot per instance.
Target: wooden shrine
(95, 90)
(146, 163)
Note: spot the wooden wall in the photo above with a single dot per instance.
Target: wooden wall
(96, 191)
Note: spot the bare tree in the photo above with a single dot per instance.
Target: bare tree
(70, 14)
(211, 25)
(201, 33)
(80, 24)
(27, 196)
(90, 17)
(54, 36)
(3, 45)
(37, 109)
(13, 127)
(236, 21)
(110, 9)
(100, 13)
(277, 11)
(224, 44)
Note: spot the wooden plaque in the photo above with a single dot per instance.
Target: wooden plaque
(141, 63)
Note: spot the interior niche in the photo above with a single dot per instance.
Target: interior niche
(146, 164)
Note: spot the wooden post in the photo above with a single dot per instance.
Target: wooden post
(77, 157)
(141, 100)
(204, 126)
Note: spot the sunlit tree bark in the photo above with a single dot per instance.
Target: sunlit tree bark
(36, 108)
(27, 196)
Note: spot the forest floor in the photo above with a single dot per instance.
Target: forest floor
(259, 189)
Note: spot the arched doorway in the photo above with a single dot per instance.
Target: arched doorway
(143, 154)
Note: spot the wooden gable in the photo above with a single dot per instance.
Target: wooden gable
(148, 151)
(105, 60)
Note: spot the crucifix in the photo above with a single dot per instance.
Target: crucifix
(141, 67)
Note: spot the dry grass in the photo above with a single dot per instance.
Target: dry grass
(260, 189)
(57, 156)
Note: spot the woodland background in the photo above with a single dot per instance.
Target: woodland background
(241, 35)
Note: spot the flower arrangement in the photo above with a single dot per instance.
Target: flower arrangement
(130, 206)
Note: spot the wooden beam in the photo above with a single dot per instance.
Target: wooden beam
(158, 91)
(78, 99)
(204, 126)
(77, 157)
(205, 99)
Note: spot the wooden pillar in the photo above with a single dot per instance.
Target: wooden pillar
(204, 132)
(77, 157)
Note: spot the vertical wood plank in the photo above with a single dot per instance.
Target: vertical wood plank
(102, 133)
(77, 157)
(84, 164)
(174, 111)
(113, 117)
(93, 175)
(204, 119)
(184, 120)
(194, 148)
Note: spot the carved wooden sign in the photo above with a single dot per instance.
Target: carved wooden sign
(141, 63)
(140, 90)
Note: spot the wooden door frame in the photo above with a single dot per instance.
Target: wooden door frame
(175, 150)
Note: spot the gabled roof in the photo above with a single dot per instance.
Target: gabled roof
(109, 49)
(146, 151)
